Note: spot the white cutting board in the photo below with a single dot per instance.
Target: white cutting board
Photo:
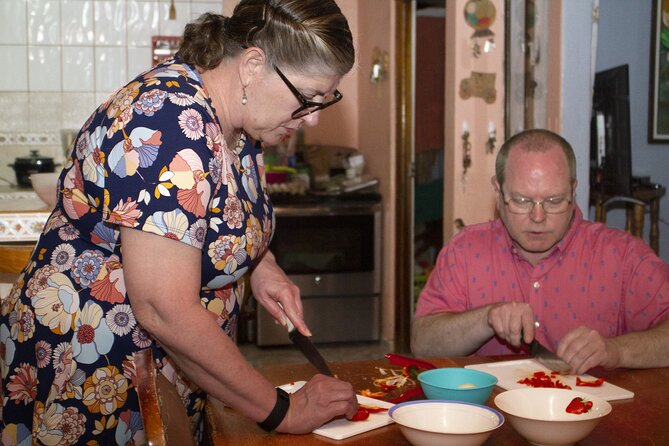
(343, 428)
(508, 373)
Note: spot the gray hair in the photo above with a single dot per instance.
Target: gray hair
(294, 34)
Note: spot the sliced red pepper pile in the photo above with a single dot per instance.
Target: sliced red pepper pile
(579, 406)
(543, 379)
(596, 383)
(397, 378)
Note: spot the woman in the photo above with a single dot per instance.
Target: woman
(162, 212)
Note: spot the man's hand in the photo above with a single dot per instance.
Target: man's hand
(511, 320)
(584, 348)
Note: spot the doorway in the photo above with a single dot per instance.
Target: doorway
(407, 284)
(428, 147)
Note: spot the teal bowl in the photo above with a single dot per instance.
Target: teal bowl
(457, 384)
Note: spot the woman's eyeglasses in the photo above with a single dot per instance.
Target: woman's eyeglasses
(308, 106)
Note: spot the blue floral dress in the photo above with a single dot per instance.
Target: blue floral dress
(152, 157)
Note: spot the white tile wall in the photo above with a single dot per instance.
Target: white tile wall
(110, 22)
(13, 22)
(63, 57)
(16, 78)
(78, 68)
(77, 26)
(44, 70)
(43, 22)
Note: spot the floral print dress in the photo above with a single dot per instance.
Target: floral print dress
(152, 157)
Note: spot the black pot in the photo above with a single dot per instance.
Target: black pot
(26, 166)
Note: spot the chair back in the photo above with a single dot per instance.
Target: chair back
(163, 414)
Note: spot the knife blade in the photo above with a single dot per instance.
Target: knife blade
(310, 351)
(548, 358)
(307, 348)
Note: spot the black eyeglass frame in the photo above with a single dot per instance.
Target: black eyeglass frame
(535, 203)
(307, 107)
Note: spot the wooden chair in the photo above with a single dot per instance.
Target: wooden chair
(163, 414)
(643, 196)
(14, 257)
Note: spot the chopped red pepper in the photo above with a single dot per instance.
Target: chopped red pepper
(596, 383)
(370, 394)
(385, 386)
(364, 410)
(360, 415)
(372, 409)
(579, 406)
(542, 379)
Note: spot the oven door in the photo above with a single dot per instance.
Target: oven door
(333, 254)
(329, 250)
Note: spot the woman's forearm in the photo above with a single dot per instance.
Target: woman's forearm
(218, 367)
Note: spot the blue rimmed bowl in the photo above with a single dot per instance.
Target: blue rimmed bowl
(445, 423)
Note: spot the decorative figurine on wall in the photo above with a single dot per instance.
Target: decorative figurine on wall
(481, 85)
(480, 15)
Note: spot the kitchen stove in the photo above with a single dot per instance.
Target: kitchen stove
(330, 246)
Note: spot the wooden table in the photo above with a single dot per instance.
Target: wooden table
(643, 420)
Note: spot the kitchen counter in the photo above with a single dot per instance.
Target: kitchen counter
(22, 215)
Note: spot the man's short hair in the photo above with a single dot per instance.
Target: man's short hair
(534, 140)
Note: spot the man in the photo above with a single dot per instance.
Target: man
(597, 296)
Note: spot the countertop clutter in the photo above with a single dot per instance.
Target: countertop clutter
(22, 214)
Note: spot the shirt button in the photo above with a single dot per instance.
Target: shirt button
(536, 285)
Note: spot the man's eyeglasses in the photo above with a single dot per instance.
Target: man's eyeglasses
(522, 205)
(308, 106)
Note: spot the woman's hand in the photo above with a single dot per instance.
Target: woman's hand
(319, 401)
(277, 293)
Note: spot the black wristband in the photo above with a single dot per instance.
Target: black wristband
(278, 413)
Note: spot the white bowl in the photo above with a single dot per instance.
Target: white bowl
(445, 423)
(540, 416)
(45, 186)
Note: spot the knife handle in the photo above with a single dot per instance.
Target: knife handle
(289, 324)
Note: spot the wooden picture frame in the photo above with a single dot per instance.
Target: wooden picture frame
(658, 100)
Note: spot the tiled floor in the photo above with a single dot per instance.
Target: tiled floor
(288, 354)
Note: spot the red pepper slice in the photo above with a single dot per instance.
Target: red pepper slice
(579, 406)
(596, 383)
(360, 415)
(416, 392)
(370, 394)
(372, 409)
(408, 362)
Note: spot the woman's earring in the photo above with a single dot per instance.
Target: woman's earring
(244, 98)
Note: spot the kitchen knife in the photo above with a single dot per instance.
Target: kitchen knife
(307, 348)
(310, 351)
(548, 358)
